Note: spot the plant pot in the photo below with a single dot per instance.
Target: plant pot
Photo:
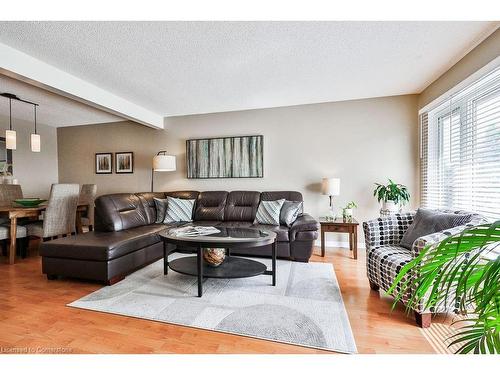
(390, 206)
(348, 212)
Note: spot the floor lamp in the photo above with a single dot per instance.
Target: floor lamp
(162, 162)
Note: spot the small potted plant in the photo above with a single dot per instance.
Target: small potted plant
(392, 195)
(347, 211)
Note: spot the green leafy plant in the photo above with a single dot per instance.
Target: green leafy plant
(463, 270)
(350, 205)
(391, 192)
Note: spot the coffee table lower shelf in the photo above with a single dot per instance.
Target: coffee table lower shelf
(231, 268)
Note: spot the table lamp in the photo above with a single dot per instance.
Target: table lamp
(331, 187)
(162, 162)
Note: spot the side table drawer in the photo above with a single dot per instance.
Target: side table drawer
(335, 228)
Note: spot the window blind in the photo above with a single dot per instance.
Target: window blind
(460, 150)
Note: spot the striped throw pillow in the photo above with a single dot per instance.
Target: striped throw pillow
(179, 210)
(269, 212)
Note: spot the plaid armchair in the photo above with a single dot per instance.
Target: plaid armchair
(385, 256)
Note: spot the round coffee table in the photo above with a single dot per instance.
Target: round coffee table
(229, 239)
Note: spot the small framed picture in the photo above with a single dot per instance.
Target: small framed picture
(104, 163)
(124, 162)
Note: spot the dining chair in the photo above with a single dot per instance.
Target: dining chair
(87, 195)
(60, 214)
(8, 194)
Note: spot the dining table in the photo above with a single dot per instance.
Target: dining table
(16, 211)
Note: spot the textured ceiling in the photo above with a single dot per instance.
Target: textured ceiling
(177, 68)
(54, 110)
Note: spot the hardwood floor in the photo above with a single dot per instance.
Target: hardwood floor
(33, 316)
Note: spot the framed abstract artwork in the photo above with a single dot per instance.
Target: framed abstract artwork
(225, 157)
(104, 163)
(124, 162)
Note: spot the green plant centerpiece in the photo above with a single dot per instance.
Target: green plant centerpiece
(391, 195)
(347, 211)
(462, 271)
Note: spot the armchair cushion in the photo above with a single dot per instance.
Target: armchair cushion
(428, 221)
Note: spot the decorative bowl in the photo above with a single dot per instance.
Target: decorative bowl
(29, 202)
(214, 257)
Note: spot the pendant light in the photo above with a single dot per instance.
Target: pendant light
(35, 138)
(10, 135)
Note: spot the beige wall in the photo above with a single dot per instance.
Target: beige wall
(34, 171)
(485, 52)
(361, 141)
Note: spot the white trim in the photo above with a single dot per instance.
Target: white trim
(23, 67)
(341, 244)
(492, 65)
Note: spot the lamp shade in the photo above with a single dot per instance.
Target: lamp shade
(35, 143)
(164, 163)
(10, 139)
(330, 186)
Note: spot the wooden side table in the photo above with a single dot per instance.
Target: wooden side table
(341, 226)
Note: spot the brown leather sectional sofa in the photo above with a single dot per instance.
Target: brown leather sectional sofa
(126, 235)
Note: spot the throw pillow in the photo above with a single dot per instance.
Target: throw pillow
(161, 209)
(179, 210)
(431, 221)
(269, 212)
(290, 211)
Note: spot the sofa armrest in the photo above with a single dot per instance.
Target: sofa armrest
(424, 241)
(386, 230)
(304, 223)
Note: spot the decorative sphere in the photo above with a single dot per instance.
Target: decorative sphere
(214, 257)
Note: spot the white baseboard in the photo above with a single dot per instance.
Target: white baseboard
(344, 244)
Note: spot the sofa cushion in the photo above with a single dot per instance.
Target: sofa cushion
(275, 195)
(116, 212)
(210, 205)
(103, 246)
(269, 212)
(241, 206)
(280, 230)
(149, 204)
(179, 210)
(428, 221)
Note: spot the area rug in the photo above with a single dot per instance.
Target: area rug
(305, 307)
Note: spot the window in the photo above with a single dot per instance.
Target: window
(460, 150)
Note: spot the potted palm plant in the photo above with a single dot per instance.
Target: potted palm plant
(463, 271)
(391, 195)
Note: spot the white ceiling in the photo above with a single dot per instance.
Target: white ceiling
(179, 68)
(54, 110)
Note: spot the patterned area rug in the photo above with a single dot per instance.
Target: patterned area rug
(305, 307)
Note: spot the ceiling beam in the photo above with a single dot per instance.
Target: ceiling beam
(23, 67)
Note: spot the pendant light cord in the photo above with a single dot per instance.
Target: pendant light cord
(10, 114)
(34, 106)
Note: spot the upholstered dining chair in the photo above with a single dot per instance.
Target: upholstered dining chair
(9, 193)
(87, 195)
(60, 214)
